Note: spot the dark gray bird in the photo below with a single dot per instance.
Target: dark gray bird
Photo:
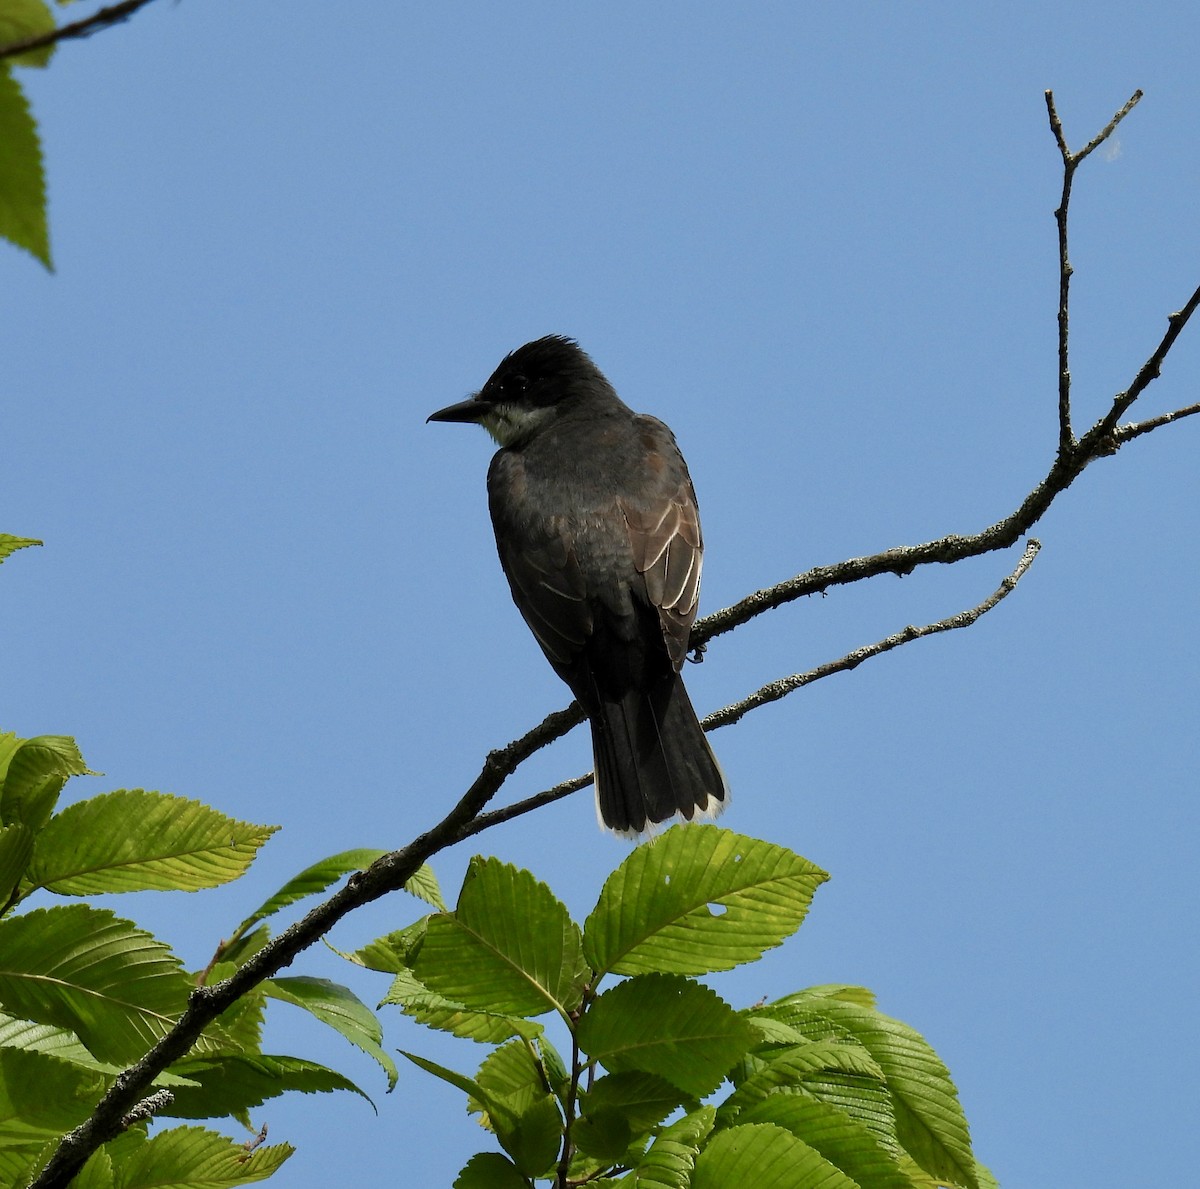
(599, 536)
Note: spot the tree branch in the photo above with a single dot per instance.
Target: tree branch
(775, 690)
(1071, 162)
(467, 817)
(104, 18)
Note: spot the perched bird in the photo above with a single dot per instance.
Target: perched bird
(599, 536)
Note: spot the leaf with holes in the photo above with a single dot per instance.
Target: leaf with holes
(696, 900)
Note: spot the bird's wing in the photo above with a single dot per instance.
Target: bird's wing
(549, 589)
(664, 532)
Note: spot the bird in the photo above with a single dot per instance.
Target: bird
(598, 533)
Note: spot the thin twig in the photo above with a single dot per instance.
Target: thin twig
(104, 18)
(774, 690)
(1126, 433)
(1071, 162)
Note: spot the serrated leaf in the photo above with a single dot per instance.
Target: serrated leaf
(533, 1134)
(238, 1029)
(791, 1067)
(436, 1011)
(42, 1097)
(16, 849)
(930, 1123)
(21, 20)
(424, 885)
(195, 1158)
(509, 946)
(393, 952)
(85, 969)
(621, 1109)
(10, 544)
(133, 840)
(32, 774)
(698, 899)
(843, 1141)
(341, 1009)
(666, 1025)
(534, 1141)
(767, 1157)
(512, 1072)
(670, 1160)
(18, 1164)
(22, 181)
(310, 881)
(499, 1112)
(490, 1170)
(643, 1098)
(237, 951)
(65, 1046)
(223, 1086)
(97, 1172)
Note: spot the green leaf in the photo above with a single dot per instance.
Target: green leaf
(310, 881)
(509, 946)
(642, 1098)
(87, 970)
(622, 1108)
(10, 544)
(666, 1025)
(133, 840)
(22, 183)
(490, 1170)
(16, 849)
(843, 1141)
(516, 1105)
(65, 1046)
(930, 1123)
(223, 1086)
(499, 1112)
(42, 1097)
(791, 1067)
(436, 1011)
(424, 885)
(21, 20)
(18, 1164)
(238, 1029)
(194, 1158)
(341, 1009)
(97, 1172)
(767, 1157)
(698, 899)
(34, 771)
(671, 1158)
(533, 1142)
(511, 1075)
(393, 952)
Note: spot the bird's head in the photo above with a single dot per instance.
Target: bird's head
(532, 386)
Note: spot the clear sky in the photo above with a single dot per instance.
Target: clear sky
(818, 241)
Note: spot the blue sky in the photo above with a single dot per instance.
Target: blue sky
(816, 240)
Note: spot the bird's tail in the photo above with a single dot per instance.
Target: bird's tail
(653, 761)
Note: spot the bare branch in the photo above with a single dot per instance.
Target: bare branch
(1149, 371)
(775, 690)
(1071, 162)
(1126, 433)
(104, 18)
(1108, 128)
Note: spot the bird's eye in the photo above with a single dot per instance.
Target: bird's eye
(515, 385)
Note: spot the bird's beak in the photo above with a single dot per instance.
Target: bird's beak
(470, 410)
